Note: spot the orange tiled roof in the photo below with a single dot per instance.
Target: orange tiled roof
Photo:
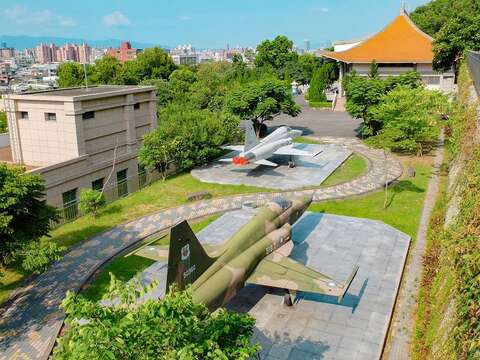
(400, 42)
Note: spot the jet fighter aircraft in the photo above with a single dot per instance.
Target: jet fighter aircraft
(258, 253)
(279, 142)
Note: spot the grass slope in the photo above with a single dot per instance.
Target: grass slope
(404, 203)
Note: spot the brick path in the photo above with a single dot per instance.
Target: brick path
(30, 325)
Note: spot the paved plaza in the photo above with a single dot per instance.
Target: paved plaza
(317, 327)
(308, 171)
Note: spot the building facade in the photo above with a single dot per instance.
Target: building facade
(80, 138)
(48, 53)
(124, 53)
(400, 47)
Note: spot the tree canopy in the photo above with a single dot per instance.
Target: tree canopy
(171, 328)
(262, 100)
(150, 64)
(24, 215)
(454, 25)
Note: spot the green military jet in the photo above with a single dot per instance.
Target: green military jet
(255, 254)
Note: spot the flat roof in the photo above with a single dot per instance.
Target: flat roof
(81, 93)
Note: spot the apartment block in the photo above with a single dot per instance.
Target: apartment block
(71, 136)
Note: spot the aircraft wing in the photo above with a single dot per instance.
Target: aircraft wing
(291, 150)
(283, 272)
(233, 147)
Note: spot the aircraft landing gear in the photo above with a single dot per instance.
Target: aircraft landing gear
(291, 162)
(289, 297)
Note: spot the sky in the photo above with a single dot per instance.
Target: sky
(202, 23)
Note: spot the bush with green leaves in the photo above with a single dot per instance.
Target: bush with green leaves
(363, 93)
(3, 122)
(409, 119)
(38, 255)
(91, 201)
(171, 328)
(187, 137)
(24, 215)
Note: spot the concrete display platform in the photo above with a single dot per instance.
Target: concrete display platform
(317, 327)
(309, 171)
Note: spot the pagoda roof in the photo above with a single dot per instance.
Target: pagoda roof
(400, 42)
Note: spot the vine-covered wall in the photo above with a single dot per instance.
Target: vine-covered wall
(448, 314)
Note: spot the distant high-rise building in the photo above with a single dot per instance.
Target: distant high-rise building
(124, 53)
(306, 45)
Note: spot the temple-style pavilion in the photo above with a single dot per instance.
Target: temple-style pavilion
(398, 48)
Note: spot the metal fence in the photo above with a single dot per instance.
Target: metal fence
(473, 60)
(70, 210)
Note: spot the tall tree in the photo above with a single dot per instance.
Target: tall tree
(262, 100)
(24, 215)
(276, 54)
(71, 74)
(154, 63)
(106, 70)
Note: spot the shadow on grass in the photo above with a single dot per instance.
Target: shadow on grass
(400, 187)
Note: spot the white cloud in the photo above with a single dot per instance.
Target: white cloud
(21, 15)
(324, 9)
(116, 18)
(66, 21)
(184, 18)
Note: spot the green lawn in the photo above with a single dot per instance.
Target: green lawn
(125, 268)
(405, 202)
(320, 104)
(352, 168)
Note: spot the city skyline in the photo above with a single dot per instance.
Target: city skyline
(205, 25)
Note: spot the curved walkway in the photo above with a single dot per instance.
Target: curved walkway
(29, 327)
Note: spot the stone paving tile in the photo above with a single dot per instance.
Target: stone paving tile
(31, 334)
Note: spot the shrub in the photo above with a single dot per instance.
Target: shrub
(171, 328)
(408, 119)
(316, 91)
(187, 137)
(91, 201)
(38, 255)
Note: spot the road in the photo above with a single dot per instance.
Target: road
(319, 122)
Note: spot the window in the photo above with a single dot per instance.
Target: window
(24, 115)
(88, 115)
(97, 184)
(70, 206)
(122, 184)
(50, 117)
(136, 106)
(142, 176)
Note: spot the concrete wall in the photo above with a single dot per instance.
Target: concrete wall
(79, 174)
(72, 152)
(432, 79)
(4, 140)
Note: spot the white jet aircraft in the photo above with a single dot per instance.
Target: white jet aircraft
(279, 142)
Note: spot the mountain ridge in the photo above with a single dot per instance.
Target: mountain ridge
(24, 41)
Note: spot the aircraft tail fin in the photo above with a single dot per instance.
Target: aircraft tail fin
(250, 136)
(187, 259)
